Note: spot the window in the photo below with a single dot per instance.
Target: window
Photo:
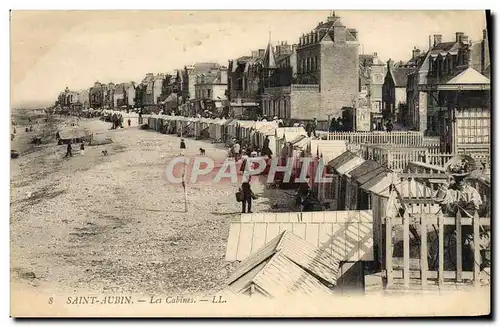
(209, 93)
(316, 67)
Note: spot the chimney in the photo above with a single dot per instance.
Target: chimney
(255, 53)
(262, 52)
(438, 38)
(294, 47)
(353, 32)
(458, 36)
(375, 54)
(415, 53)
(465, 39)
(223, 75)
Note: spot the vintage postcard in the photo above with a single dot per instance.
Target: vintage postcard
(250, 163)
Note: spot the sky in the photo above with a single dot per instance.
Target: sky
(54, 49)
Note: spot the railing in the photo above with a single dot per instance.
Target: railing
(438, 159)
(277, 90)
(397, 158)
(305, 87)
(402, 138)
(421, 223)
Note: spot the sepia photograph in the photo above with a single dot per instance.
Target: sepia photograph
(251, 163)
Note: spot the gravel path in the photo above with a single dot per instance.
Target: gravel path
(113, 224)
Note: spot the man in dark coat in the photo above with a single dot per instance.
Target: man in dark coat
(314, 125)
(248, 195)
(389, 126)
(69, 150)
(183, 147)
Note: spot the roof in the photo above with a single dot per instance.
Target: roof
(348, 166)
(266, 128)
(346, 235)
(289, 133)
(341, 159)
(269, 60)
(328, 149)
(406, 188)
(246, 124)
(469, 76)
(443, 46)
(366, 167)
(302, 253)
(277, 277)
(367, 186)
(203, 67)
(399, 76)
(298, 139)
(371, 174)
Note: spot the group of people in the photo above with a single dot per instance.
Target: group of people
(381, 126)
(69, 149)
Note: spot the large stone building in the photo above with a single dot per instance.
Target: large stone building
(394, 91)
(372, 73)
(441, 63)
(97, 96)
(84, 98)
(327, 75)
(148, 93)
(211, 90)
(189, 80)
(245, 84)
(68, 99)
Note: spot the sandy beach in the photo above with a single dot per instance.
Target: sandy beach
(114, 224)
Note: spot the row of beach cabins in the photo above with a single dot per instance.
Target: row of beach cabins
(348, 237)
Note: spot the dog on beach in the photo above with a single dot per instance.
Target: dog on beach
(104, 152)
(202, 151)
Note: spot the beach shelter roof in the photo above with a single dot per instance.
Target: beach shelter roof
(287, 263)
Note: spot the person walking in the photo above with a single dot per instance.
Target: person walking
(248, 195)
(129, 122)
(82, 148)
(69, 150)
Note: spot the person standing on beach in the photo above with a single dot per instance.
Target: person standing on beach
(183, 147)
(82, 148)
(246, 204)
(69, 150)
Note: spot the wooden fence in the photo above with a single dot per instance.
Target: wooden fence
(421, 222)
(412, 138)
(397, 157)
